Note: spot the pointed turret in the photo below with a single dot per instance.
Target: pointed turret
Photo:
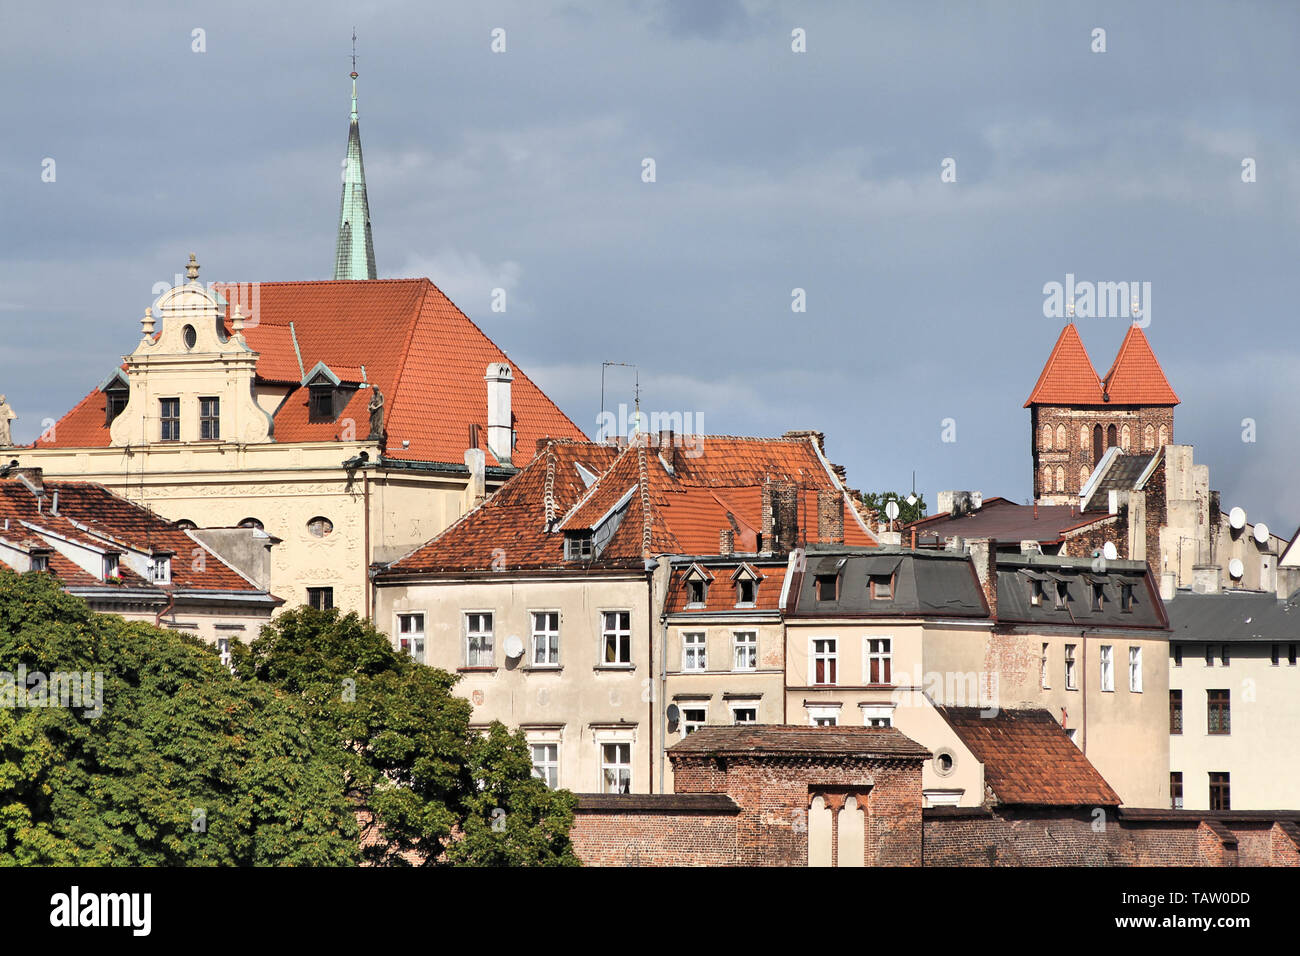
(1068, 378)
(1136, 378)
(354, 255)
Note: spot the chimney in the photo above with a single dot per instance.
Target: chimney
(541, 445)
(830, 516)
(33, 478)
(726, 542)
(473, 435)
(500, 436)
(54, 504)
(476, 488)
(1168, 585)
(984, 555)
(780, 516)
(668, 448)
(1206, 579)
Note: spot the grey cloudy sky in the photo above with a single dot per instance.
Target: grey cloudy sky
(775, 170)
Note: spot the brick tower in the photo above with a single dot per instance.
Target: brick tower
(1075, 415)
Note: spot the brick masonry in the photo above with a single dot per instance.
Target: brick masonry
(1062, 439)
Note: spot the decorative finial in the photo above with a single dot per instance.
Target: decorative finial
(146, 324)
(192, 269)
(237, 322)
(1069, 309)
(1136, 309)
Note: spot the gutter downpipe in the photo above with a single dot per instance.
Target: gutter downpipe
(171, 603)
(663, 703)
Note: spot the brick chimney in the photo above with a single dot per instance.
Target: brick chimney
(780, 516)
(668, 448)
(726, 541)
(500, 436)
(984, 555)
(33, 478)
(830, 516)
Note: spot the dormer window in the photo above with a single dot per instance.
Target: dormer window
(827, 586)
(1126, 597)
(1098, 597)
(326, 393)
(321, 403)
(744, 591)
(578, 546)
(1036, 593)
(115, 399)
(110, 567)
(160, 569)
(882, 587)
(1062, 595)
(40, 560)
(695, 592)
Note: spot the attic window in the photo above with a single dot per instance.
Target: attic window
(160, 570)
(252, 523)
(1126, 597)
(1036, 593)
(882, 587)
(185, 524)
(115, 399)
(695, 592)
(40, 561)
(110, 566)
(319, 527)
(744, 591)
(827, 586)
(578, 546)
(1062, 595)
(1098, 598)
(321, 403)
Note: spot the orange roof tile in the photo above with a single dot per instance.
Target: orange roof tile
(1136, 377)
(1068, 378)
(425, 355)
(721, 593)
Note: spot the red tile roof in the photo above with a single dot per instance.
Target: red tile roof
(688, 502)
(1136, 377)
(91, 514)
(721, 592)
(1007, 522)
(1068, 378)
(425, 355)
(789, 740)
(1029, 759)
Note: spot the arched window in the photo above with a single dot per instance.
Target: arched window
(320, 527)
(1047, 437)
(1164, 435)
(1148, 438)
(1124, 438)
(1061, 437)
(1047, 480)
(1084, 473)
(1060, 478)
(252, 523)
(1083, 437)
(1110, 436)
(185, 524)
(1098, 444)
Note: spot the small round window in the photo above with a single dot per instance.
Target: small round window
(185, 524)
(190, 336)
(944, 762)
(251, 523)
(319, 526)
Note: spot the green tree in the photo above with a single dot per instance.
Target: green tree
(907, 513)
(427, 785)
(184, 766)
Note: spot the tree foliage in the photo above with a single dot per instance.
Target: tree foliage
(907, 513)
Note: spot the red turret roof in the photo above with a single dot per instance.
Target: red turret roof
(1068, 378)
(1136, 377)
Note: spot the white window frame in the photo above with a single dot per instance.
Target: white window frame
(691, 724)
(1044, 669)
(753, 588)
(1106, 663)
(488, 651)
(886, 657)
(746, 706)
(1071, 667)
(873, 713)
(738, 645)
(623, 637)
(223, 650)
(695, 652)
(160, 569)
(547, 766)
(617, 766)
(411, 635)
(1135, 669)
(831, 657)
(550, 654)
(818, 712)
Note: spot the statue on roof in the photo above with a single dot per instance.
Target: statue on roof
(376, 408)
(7, 415)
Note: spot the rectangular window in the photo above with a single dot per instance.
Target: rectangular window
(40, 562)
(744, 651)
(1043, 680)
(824, 716)
(546, 638)
(824, 657)
(826, 586)
(695, 592)
(160, 570)
(1209, 655)
(1098, 598)
(616, 767)
(410, 635)
(479, 645)
(882, 587)
(1062, 595)
(209, 419)
(1223, 655)
(321, 405)
(1276, 654)
(878, 715)
(115, 403)
(1107, 667)
(1219, 712)
(1290, 654)
(1178, 655)
(693, 718)
(322, 599)
(744, 592)
(546, 764)
(1135, 669)
(1175, 711)
(1071, 677)
(1036, 593)
(1126, 597)
(744, 715)
(223, 650)
(694, 652)
(617, 634)
(578, 546)
(1176, 790)
(1220, 791)
(169, 415)
(878, 660)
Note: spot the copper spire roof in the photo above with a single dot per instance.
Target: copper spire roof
(354, 253)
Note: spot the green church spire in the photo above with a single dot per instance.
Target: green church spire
(354, 256)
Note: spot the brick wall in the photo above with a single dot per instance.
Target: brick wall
(1076, 452)
(604, 837)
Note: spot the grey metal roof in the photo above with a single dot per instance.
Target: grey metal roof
(1016, 574)
(1238, 616)
(1122, 475)
(925, 582)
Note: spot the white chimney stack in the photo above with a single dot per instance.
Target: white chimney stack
(500, 432)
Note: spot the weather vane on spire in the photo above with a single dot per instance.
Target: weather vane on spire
(354, 53)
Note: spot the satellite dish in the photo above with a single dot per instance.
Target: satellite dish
(1236, 568)
(1261, 532)
(1109, 551)
(1237, 518)
(514, 646)
(674, 713)
(891, 510)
